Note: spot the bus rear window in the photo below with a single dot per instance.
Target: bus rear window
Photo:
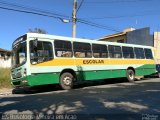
(148, 53)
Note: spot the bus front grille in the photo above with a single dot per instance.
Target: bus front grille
(17, 83)
(18, 75)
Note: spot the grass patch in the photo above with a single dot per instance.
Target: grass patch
(5, 79)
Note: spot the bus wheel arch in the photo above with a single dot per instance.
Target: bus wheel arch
(130, 74)
(67, 78)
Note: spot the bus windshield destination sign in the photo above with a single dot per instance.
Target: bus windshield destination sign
(19, 40)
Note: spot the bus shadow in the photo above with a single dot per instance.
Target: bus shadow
(79, 85)
(99, 82)
(51, 88)
(37, 89)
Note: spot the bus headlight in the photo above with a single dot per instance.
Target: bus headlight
(24, 82)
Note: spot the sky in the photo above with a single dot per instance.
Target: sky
(115, 15)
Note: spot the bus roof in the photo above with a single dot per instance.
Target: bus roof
(54, 37)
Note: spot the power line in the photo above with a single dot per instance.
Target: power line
(97, 25)
(53, 15)
(116, 1)
(80, 5)
(23, 11)
(32, 9)
(122, 16)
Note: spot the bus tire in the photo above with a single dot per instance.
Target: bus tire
(130, 75)
(66, 81)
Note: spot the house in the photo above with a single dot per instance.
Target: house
(132, 36)
(5, 58)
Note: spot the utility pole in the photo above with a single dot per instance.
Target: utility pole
(74, 19)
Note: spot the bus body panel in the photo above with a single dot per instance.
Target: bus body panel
(49, 72)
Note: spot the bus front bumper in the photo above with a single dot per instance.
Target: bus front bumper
(21, 82)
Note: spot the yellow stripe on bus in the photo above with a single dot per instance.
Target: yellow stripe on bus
(71, 62)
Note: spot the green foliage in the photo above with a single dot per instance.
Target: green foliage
(5, 79)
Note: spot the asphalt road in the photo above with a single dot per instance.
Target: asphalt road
(107, 100)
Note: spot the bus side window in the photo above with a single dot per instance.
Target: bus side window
(82, 50)
(128, 52)
(47, 50)
(139, 52)
(148, 53)
(63, 48)
(99, 51)
(43, 52)
(115, 51)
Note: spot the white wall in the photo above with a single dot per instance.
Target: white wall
(157, 46)
(5, 63)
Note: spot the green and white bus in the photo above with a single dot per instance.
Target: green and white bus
(41, 59)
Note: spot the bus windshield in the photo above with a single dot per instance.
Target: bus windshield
(19, 54)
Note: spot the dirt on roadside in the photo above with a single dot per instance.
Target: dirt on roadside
(5, 91)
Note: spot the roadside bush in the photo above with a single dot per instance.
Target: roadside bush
(5, 80)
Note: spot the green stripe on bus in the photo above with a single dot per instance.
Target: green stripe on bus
(146, 70)
(104, 74)
(43, 78)
(53, 78)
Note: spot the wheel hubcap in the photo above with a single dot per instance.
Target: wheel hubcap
(67, 80)
(131, 76)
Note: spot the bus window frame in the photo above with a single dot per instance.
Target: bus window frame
(71, 50)
(151, 53)
(90, 52)
(93, 51)
(114, 52)
(16, 48)
(134, 56)
(139, 52)
(50, 58)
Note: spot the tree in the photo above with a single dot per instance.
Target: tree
(37, 30)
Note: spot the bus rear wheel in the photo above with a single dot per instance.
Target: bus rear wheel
(130, 75)
(66, 81)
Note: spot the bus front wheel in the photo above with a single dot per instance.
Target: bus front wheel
(130, 75)
(66, 81)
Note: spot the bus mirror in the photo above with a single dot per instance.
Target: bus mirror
(35, 43)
